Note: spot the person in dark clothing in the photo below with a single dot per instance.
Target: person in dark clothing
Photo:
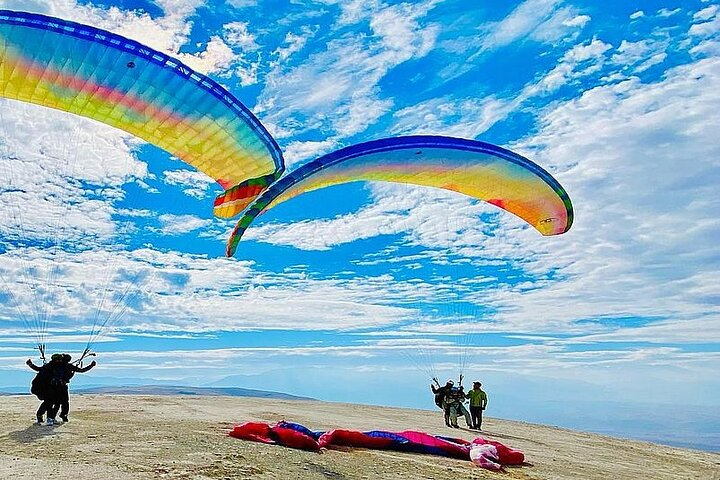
(442, 395)
(50, 385)
(46, 386)
(70, 371)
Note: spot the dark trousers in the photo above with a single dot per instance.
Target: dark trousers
(53, 397)
(446, 414)
(64, 403)
(44, 407)
(49, 406)
(476, 414)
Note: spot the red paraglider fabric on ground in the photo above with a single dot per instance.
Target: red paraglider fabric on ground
(294, 435)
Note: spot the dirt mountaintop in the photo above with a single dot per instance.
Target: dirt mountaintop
(149, 437)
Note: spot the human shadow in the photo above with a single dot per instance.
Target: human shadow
(32, 433)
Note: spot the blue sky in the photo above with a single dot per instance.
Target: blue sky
(345, 291)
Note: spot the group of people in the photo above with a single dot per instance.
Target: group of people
(452, 401)
(51, 386)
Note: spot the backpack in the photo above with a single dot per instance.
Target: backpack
(37, 387)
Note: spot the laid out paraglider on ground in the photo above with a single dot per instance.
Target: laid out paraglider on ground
(487, 454)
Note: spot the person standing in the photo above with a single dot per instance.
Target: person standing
(456, 401)
(70, 371)
(442, 397)
(478, 402)
(47, 385)
(50, 386)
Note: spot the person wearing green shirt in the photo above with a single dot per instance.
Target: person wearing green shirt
(478, 402)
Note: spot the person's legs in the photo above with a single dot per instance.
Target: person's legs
(466, 414)
(52, 412)
(475, 414)
(453, 416)
(65, 404)
(40, 414)
(53, 404)
(480, 413)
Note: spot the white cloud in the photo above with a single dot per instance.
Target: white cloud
(708, 47)
(636, 249)
(238, 36)
(694, 331)
(194, 183)
(666, 12)
(181, 224)
(641, 55)
(336, 90)
(41, 150)
(565, 23)
(216, 58)
(591, 55)
(627, 260)
(706, 13)
(637, 14)
(471, 117)
(709, 22)
(147, 291)
(296, 152)
(449, 116)
(354, 11)
(577, 21)
(242, 3)
(295, 43)
(540, 20)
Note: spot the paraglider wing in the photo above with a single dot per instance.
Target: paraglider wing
(236, 199)
(480, 170)
(97, 74)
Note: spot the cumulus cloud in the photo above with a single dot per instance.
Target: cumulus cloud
(150, 291)
(181, 224)
(193, 183)
(707, 22)
(634, 121)
(540, 20)
(64, 173)
(337, 90)
(471, 117)
(621, 258)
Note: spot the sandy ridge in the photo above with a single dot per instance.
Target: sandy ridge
(149, 437)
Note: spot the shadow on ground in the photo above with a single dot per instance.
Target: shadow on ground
(31, 434)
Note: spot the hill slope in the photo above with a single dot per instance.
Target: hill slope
(148, 437)
(180, 390)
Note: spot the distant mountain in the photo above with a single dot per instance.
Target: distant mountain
(181, 390)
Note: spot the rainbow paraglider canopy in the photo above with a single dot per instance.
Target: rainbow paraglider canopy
(97, 74)
(117, 81)
(477, 169)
